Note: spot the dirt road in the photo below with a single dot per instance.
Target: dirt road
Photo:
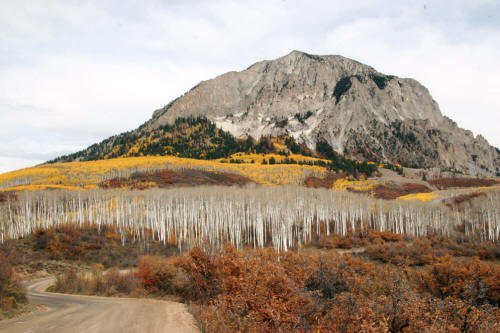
(75, 313)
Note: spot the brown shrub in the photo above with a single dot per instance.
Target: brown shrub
(418, 253)
(408, 313)
(322, 291)
(6, 270)
(386, 236)
(117, 283)
(6, 196)
(201, 271)
(84, 244)
(462, 198)
(468, 279)
(335, 242)
(450, 182)
(393, 191)
(328, 278)
(159, 275)
(110, 283)
(429, 250)
(11, 292)
(255, 295)
(351, 313)
(325, 182)
(348, 241)
(67, 282)
(170, 178)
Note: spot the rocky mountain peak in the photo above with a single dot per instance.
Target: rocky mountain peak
(356, 109)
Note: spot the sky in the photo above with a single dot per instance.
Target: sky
(75, 72)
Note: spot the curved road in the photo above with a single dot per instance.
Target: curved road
(75, 313)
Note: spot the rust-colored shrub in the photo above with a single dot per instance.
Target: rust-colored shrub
(335, 242)
(386, 236)
(113, 236)
(157, 274)
(392, 191)
(325, 182)
(6, 196)
(351, 313)
(202, 274)
(449, 182)
(348, 241)
(6, 270)
(420, 252)
(255, 295)
(329, 278)
(321, 290)
(171, 178)
(469, 279)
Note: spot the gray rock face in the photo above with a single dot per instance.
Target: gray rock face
(356, 109)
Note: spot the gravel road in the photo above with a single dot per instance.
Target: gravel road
(75, 313)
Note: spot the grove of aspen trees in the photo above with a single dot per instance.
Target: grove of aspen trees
(257, 216)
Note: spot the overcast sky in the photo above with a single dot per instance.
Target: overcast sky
(75, 72)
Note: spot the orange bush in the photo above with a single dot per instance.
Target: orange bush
(348, 241)
(444, 183)
(256, 295)
(386, 236)
(418, 253)
(156, 274)
(469, 279)
(201, 271)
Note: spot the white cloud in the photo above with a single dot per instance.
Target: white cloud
(461, 76)
(14, 163)
(73, 73)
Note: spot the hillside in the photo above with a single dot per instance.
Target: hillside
(91, 174)
(352, 107)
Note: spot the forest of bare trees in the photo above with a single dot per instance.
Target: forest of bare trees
(256, 216)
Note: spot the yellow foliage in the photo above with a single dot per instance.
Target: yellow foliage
(258, 158)
(356, 185)
(280, 147)
(42, 187)
(89, 174)
(419, 196)
(278, 174)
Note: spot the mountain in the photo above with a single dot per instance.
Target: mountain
(355, 109)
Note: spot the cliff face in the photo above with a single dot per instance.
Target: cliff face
(357, 110)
